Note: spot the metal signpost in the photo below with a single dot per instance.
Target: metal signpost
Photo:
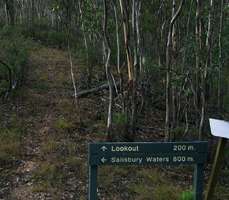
(170, 153)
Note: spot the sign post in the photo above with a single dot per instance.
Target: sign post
(93, 169)
(198, 181)
(220, 129)
(170, 153)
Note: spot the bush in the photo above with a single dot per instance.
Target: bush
(50, 38)
(14, 55)
(187, 195)
(120, 119)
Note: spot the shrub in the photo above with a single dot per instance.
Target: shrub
(120, 119)
(14, 55)
(186, 195)
(63, 124)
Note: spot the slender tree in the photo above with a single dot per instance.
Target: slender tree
(108, 69)
(204, 74)
(10, 11)
(168, 70)
(219, 93)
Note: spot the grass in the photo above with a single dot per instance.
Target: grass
(152, 184)
(50, 146)
(65, 106)
(14, 52)
(143, 192)
(63, 124)
(41, 86)
(73, 162)
(221, 191)
(166, 191)
(151, 176)
(140, 183)
(40, 187)
(186, 195)
(44, 187)
(105, 176)
(10, 140)
(49, 175)
(71, 147)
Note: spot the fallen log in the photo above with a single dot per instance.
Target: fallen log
(85, 93)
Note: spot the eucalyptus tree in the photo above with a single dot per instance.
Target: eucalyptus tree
(170, 40)
(220, 60)
(10, 11)
(130, 13)
(108, 69)
(117, 32)
(205, 69)
(83, 29)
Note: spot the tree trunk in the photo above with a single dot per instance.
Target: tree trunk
(219, 98)
(118, 52)
(10, 9)
(108, 72)
(205, 72)
(76, 97)
(168, 72)
(199, 45)
(85, 40)
(125, 18)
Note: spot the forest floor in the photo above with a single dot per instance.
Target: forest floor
(51, 142)
(49, 160)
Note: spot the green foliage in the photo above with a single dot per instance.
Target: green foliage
(63, 124)
(52, 38)
(106, 175)
(91, 21)
(50, 146)
(10, 144)
(3, 83)
(120, 118)
(179, 131)
(41, 86)
(142, 191)
(221, 191)
(186, 195)
(153, 186)
(49, 174)
(165, 192)
(13, 52)
(10, 139)
(73, 162)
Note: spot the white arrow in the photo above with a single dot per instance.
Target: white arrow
(103, 160)
(104, 148)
